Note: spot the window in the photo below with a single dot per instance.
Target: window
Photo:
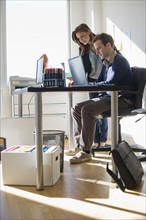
(35, 28)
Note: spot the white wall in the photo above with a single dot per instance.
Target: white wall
(127, 16)
(126, 22)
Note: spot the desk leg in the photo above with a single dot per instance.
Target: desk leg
(114, 122)
(70, 120)
(20, 105)
(39, 140)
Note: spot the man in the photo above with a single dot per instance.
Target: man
(116, 70)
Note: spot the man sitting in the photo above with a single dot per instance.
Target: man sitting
(116, 70)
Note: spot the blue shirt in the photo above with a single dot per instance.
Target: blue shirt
(118, 72)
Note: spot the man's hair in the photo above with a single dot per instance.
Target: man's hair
(104, 38)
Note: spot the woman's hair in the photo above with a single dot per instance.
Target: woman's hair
(82, 28)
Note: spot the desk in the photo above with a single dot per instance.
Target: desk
(38, 116)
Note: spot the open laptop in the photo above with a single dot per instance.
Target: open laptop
(17, 82)
(40, 71)
(78, 71)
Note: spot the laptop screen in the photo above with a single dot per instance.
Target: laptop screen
(77, 71)
(39, 70)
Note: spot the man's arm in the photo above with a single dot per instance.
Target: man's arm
(118, 74)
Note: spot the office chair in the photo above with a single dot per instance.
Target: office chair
(139, 80)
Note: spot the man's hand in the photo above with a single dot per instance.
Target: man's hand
(69, 82)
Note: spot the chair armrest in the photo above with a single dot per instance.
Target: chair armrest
(139, 111)
(130, 92)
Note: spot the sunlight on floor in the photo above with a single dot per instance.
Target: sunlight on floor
(103, 183)
(67, 204)
(90, 207)
(129, 197)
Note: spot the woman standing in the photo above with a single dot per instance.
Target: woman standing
(82, 35)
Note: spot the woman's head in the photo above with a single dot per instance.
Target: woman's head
(82, 35)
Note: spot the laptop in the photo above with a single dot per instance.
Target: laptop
(40, 71)
(39, 74)
(78, 71)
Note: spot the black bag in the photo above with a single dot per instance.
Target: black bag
(128, 166)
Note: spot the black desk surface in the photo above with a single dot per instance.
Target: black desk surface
(72, 89)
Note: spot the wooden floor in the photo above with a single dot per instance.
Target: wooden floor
(84, 191)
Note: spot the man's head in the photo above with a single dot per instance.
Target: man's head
(104, 45)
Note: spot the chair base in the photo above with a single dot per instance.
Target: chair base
(107, 147)
(135, 148)
(141, 158)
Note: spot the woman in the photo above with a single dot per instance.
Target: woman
(82, 35)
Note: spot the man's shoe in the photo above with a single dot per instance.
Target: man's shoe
(80, 157)
(73, 151)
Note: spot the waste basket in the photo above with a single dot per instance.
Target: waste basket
(55, 137)
(2, 145)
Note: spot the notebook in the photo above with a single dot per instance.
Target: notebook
(77, 71)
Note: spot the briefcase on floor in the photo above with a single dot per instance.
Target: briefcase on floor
(128, 166)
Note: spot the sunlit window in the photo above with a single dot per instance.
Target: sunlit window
(35, 28)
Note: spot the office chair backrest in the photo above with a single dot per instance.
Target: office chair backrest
(139, 80)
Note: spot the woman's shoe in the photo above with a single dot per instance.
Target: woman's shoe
(102, 144)
(73, 151)
(96, 145)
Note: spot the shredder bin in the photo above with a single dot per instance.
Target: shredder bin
(55, 137)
